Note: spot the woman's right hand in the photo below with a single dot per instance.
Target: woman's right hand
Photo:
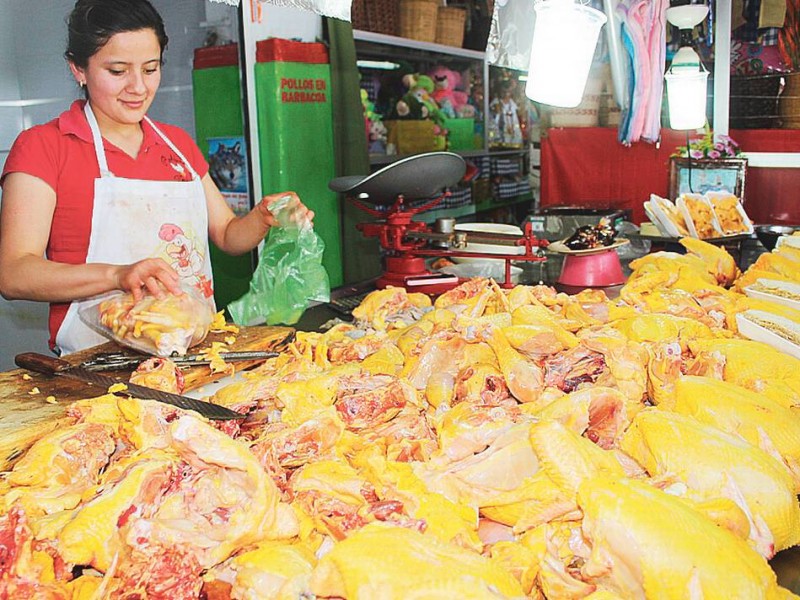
(153, 275)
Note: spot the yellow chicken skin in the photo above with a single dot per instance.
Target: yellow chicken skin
(704, 463)
(719, 262)
(270, 571)
(564, 459)
(774, 374)
(57, 470)
(646, 543)
(750, 415)
(418, 566)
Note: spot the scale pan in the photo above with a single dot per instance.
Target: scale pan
(415, 177)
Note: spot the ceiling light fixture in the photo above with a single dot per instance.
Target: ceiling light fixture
(564, 38)
(686, 77)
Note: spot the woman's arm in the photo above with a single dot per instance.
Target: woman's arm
(26, 215)
(237, 235)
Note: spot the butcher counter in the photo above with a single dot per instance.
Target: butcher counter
(33, 404)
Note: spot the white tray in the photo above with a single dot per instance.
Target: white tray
(739, 208)
(666, 224)
(757, 333)
(774, 283)
(687, 215)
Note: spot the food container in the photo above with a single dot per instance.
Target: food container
(769, 235)
(761, 326)
(697, 211)
(488, 248)
(773, 290)
(668, 218)
(730, 225)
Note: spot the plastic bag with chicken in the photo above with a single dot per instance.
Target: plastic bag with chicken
(161, 326)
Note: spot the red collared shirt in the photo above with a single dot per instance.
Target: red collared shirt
(61, 153)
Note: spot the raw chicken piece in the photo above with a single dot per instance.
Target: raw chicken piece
(718, 261)
(707, 464)
(774, 374)
(418, 567)
(59, 468)
(563, 459)
(383, 309)
(270, 571)
(648, 544)
(737, 410)
(159, 374)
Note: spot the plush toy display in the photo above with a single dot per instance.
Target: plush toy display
(417, 102)
(453, 102)
(373, 125)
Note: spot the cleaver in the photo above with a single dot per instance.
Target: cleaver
(50, 365)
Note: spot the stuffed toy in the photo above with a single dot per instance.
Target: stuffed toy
(452, 101)
(417, 102)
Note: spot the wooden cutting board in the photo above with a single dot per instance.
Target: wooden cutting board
(26, 415)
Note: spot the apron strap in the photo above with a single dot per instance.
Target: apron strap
(173, 147)
(99, 150)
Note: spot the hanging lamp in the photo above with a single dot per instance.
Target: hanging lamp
(564, 38)
(686, 77)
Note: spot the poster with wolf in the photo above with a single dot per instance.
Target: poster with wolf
(227, 165)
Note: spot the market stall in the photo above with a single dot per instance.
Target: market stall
(495, 440)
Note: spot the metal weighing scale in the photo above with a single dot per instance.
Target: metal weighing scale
(407, 243)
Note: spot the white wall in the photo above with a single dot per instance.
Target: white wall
(35, 87)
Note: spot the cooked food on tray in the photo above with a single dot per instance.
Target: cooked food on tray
(699, 211)
(773, 287)
(730, 214)
(591, 236)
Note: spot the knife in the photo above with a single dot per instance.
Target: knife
(118, 361)
(49, 365)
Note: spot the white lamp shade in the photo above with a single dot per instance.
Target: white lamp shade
(564, 38)
(687, 96)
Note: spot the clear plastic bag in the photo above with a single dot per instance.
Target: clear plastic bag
(157, 326)
(289, 274)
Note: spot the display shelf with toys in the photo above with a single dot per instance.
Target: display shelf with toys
(425, 96)
(420, 96)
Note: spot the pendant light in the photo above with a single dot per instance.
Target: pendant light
(686, 77)
(564, 38)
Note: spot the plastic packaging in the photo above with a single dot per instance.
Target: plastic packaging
(289, 274)
(158, 326)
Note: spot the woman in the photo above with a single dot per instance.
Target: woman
(102, 198)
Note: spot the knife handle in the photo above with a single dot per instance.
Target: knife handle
(39, 363)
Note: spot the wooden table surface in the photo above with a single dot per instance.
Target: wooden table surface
(26, 415)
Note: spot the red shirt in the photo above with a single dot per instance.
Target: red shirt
(61, 153)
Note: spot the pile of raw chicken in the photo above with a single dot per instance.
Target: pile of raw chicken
(496, 444)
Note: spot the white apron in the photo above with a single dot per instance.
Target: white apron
(134, 219)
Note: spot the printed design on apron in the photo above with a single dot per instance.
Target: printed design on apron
(180, 251)
(159, 218)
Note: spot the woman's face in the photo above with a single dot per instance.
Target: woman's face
(123, 76)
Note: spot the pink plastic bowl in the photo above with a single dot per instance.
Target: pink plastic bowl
(592, 270)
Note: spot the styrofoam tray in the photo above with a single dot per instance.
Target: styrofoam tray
(488, 248)
(775, 283)
(651, 214)
(748, 224)
(687, 215)
(793, 241)
(660, 209)
(757, 333)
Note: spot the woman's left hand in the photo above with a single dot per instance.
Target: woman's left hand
(298, 212)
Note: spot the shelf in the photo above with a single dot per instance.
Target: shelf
(406, 44)
(472, 209)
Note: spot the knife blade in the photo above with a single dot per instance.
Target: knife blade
(50, 365)
(118, 361)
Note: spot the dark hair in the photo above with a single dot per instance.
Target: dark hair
(92, 23)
